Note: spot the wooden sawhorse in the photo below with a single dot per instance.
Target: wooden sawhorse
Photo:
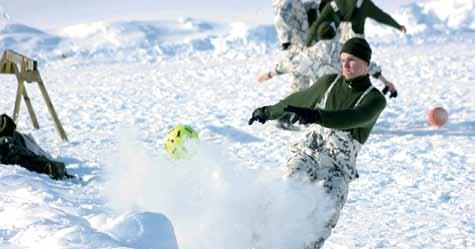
(26, 69)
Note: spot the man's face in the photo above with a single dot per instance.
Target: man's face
(353, 66)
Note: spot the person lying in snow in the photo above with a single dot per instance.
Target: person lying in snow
(20, 149)
(341, 111)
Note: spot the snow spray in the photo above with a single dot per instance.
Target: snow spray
(214, 203)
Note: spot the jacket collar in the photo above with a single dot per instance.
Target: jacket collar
(359, 83)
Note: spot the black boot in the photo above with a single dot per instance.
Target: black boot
(55, 170)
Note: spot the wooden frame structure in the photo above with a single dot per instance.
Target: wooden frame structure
(26, 69)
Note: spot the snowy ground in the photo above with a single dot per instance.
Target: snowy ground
(416, 186)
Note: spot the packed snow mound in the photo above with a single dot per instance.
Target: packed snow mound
(27, 40)
(23, 38)
(137, 32)
(139, 229)
(241, 35)
(454, 14)
(439, 16)
(136, 40)
(141, 39)
(193, 24)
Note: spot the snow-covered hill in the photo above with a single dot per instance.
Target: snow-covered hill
(137, 40)
(147, 40)
(120, 86)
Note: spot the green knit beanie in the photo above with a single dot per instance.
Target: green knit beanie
(326, 31)
(358, 47)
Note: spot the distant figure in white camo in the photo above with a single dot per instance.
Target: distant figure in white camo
(309, 64)
(292, 19)
(291, 22)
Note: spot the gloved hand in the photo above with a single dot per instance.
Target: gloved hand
(259, 114)
(304, 115)
(285, 45)
(393, 93)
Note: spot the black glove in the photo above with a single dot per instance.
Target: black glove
(285, 45)
(392, 95)
(259, 114)
(304, 115)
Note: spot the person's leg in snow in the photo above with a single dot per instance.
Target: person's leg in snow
(291, 22)
(329, 156)
(335, 184)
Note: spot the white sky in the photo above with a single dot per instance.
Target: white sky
(50, 14)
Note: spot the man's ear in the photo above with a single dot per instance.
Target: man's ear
(367, 68)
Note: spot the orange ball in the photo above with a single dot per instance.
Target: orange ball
(438, 117)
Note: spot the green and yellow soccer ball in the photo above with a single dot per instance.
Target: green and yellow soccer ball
(175, 141)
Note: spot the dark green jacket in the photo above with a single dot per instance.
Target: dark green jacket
(349, 13)
(339, 112)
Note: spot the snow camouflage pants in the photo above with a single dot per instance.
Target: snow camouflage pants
(345, 32)
(289, 63)
(307, 65)
(291, 23)
(326, 155)
(290, 19)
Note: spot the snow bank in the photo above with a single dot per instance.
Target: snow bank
(27, 40)
(454, 14)
(147, 40)
(429, 18)
(136, 40)
(138, 229)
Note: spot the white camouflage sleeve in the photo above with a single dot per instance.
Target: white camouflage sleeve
(374, 70)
